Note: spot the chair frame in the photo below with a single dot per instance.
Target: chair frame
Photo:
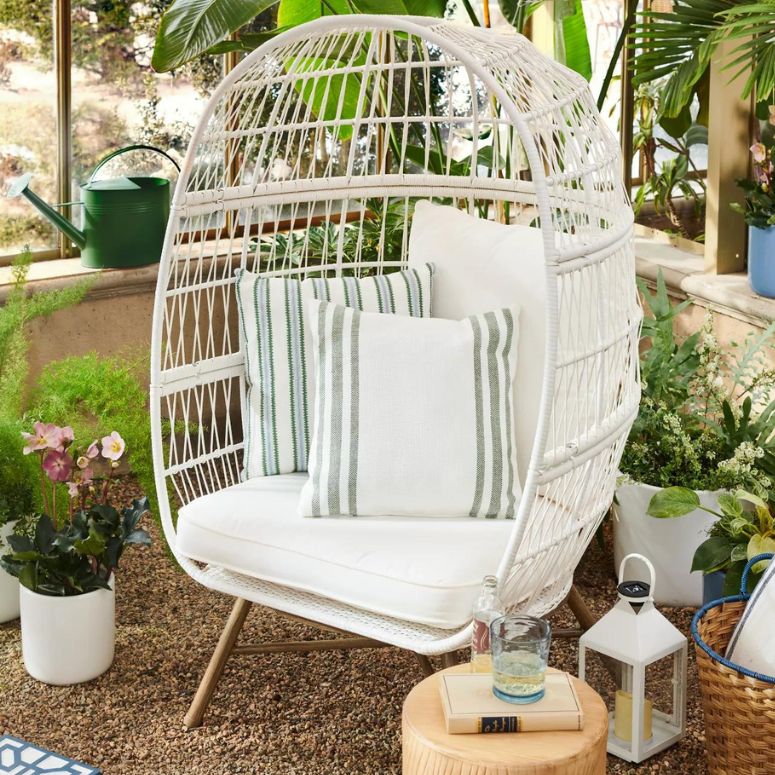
(535, 110)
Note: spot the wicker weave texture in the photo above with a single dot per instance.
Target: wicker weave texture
(739, 710)
(307, 161)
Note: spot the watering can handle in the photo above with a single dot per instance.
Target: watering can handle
(141, 147)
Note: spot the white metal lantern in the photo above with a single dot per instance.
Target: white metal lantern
(634, 635)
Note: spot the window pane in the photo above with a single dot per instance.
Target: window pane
(28, 125)
(118, 100)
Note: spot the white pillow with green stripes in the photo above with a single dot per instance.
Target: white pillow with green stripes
(279, 367)
(412, 417)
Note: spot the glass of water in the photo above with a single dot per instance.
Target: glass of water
(520, 651)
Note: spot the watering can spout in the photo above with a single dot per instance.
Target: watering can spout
(21, 188)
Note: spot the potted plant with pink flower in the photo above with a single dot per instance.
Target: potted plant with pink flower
(759, 212)
(65, 557)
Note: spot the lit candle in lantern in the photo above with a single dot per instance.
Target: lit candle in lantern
(623, 717)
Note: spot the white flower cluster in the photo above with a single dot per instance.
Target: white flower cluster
(742, 468)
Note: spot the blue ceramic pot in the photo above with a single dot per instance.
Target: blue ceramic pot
(713, 586)
(761, 260)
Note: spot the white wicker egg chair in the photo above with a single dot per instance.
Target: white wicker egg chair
(291, 165)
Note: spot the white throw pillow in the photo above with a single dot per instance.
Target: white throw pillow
(279, 367)
(412, 417)
(751, 644)
(483, 265)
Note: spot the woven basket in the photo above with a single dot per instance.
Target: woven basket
(739, 705)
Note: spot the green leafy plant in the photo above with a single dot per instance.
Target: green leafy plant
(707, 414)
(78, 557)
(744, 529)
(675, 176)
(72, 551)
(382, 225)
(676, 48)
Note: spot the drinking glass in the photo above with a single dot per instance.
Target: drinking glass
(520, 651)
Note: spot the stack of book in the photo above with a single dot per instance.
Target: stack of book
(470, 706)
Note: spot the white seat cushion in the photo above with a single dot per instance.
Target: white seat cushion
(424, 570)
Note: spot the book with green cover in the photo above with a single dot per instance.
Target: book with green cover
(471, 707)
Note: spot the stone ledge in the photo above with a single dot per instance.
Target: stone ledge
(60, 273)
(683, 267)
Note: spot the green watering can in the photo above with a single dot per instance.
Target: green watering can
(124, 219)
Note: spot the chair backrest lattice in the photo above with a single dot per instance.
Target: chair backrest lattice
(308, 161)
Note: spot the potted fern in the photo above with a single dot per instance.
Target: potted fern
(706, 423)
(65, 557)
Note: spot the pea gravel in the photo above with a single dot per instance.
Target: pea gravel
(286, 714)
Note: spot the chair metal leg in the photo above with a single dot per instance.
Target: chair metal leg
(450, 659)
(218, 661)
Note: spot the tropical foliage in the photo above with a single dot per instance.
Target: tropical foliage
(745, 529)
(676, 48)
(191, 28)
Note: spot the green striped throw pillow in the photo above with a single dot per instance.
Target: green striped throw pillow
(412, 417)
(277, 346)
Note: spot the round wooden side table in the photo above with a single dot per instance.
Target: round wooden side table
(429, 750)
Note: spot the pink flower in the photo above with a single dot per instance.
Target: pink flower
(45, 436)
(93, 450)
(72, 489)
(65, 437)
(57, 464)
(759, 152)
(113, 446)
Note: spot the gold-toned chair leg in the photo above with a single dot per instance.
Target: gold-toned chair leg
(425, 664)
(450, 659)
(581, 611)
(217, 662)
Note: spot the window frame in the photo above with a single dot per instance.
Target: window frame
(62, 34)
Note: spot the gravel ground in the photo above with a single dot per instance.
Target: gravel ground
(285, 714)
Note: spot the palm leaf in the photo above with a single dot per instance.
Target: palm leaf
(755, 23)
(678, 46)
(190, 27)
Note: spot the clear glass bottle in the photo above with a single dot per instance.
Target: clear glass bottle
(488, 606)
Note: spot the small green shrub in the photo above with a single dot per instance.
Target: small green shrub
(18, 473)
(98, 394)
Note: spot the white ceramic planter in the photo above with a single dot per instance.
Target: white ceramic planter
(669, 543)
(9, 586)
(68, 640)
